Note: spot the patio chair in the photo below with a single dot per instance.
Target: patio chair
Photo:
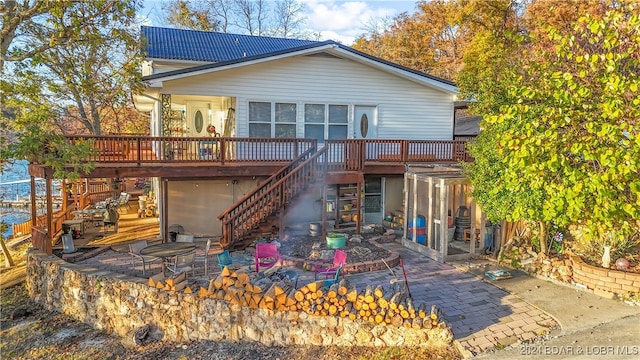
(184, 238)
(123, 201)
(205, 257)
(183, 263)
(225, 259)
(326, 268)
(336, 277)
(266, 256)
(134, 251)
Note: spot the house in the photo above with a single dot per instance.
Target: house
(248, 129)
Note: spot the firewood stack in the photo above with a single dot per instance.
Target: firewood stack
(177, 282)
(271, 291)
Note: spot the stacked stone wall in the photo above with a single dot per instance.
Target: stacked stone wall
(120, 304)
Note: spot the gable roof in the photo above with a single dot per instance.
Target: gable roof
(192, 45)
(263, 50)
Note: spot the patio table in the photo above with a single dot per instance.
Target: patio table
(167, 251)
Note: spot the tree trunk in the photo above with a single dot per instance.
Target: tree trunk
(542, 236)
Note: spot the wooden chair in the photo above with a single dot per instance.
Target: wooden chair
(134, 251)
(266, 256)
(327, 269)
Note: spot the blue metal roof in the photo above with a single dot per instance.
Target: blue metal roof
(176, 44)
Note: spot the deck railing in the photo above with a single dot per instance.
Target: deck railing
(343, 154)
(255, 207)
(153, 149)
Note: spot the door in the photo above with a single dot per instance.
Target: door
(198, 118)
(365, 122)
(373, 199)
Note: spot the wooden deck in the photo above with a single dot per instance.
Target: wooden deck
(205, 157)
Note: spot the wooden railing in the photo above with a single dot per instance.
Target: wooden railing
(344, 154)
(256, 206)
(147, 149)
(354, 154)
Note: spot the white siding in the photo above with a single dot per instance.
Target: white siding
(406, 110)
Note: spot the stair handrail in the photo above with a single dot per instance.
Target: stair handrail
(270, 180)
(268, 198)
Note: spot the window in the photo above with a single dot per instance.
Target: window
(314, 121)
(285, 116)
(259, 119)
(272, 120)
(333, 118)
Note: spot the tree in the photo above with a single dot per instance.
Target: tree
(62, 53)
(565, 144)
(281, 18)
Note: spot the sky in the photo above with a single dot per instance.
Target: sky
(335, 20)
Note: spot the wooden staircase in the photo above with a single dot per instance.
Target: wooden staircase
(260, 209)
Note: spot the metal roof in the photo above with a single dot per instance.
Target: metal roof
(192, 45)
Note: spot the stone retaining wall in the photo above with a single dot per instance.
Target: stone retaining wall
(604, 281)
(119, 304)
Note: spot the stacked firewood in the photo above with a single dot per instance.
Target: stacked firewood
(266, 290)
(270, 290)
(177, 282)
(374, 304)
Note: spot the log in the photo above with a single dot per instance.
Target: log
(270, 294)
(333, 291)
(299, 295)
(177, 278)
(343, 287)
(410, 306)
(188, 290)
(241, 278)
(225, 272)
(434, 313)
(395, 300)
(179, 286)
(416, 323)
(368, 294)
(352, 294)
(397, 320)
(378, 292)
(291, 298)
(203, 293)
(422, 310)
(155, 278)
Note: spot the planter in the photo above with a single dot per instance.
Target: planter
(335, 241)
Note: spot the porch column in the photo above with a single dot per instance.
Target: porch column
(165, 115)
(34, 213)
(49, 244)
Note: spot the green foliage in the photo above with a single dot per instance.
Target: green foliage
(70, 63)
(564, 145)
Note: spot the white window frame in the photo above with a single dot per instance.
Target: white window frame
(327, 124)
(273, 123)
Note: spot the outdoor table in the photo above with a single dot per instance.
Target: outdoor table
(167, 250)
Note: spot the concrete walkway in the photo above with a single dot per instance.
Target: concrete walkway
(485, 316)
(590, 326)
